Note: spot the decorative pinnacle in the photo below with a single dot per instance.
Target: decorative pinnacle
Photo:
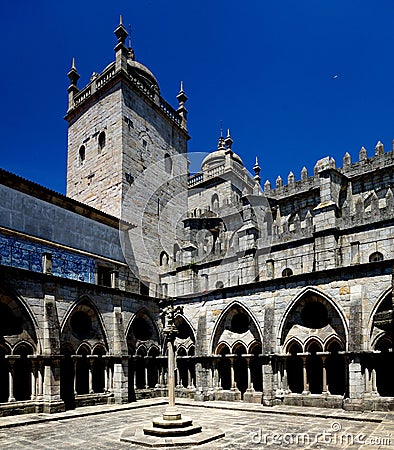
(221, 143)
(181, 97)
(121, 32)
(256, 167)
(228, 141)
(73, 74)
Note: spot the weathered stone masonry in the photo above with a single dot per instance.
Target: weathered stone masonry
(286, 289)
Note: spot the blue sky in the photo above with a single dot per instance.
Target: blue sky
(294, 80)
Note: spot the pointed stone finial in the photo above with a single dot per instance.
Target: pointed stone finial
(267, 186)
(221, 142)
(362, 156)
(304, 173)
(121, 32)
(290, 178)
(347, 160)
(182, 99)
(359, 206)
(73, 74)
(279, 182)
(228, 141)
(379, 149)
(389, 199)
(257, 169)
(374, 203)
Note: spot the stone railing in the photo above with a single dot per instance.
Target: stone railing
(105, 77)
(83, 95)
(149, 91)
(196, 179)
(170, 112)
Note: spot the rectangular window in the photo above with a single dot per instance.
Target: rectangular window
(47, 263)
(104, 277)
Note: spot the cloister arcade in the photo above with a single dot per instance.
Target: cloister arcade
(313, 356)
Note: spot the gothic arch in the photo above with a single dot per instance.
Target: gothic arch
(227, 330)
(142, 329)
(293, 341)
(331, 341)
(19, 323)
(186, 333)
(313, 340)
(223, 348)
(376, 328)
(336, 317)
(83, 323)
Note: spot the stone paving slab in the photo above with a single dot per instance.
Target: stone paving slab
(246, 426)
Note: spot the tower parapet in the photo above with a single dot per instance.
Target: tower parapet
(124, 68)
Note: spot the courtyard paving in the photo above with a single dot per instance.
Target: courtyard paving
(247, 426)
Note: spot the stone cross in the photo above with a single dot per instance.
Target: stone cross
(168, 312)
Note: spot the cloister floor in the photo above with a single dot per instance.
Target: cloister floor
(246, 426)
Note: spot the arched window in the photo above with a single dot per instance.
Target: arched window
(163, 259)
(375, 257)
(101, 141)
(215, 202)
(82, 155)
(287, 272)
(167, 163)
(219, 285)
(176, 252)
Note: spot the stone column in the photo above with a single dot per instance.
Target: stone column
(120, 378)
(40, 378)
(356, 385)
(51, 395)
(171, 373)
(135, 372)
(189, 374)
(250, 383)
(145, 362)
(304, 357)
(33, 363)
(285, 379)
(216, 377)
(106, 374)
(323, 356)
(11, 372)
(75, 359)
(178, 382)
(91, 359)
(267, 374)
(233, 384)
(367, 380)
(373, 382)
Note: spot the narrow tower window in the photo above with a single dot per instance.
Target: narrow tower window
(167, 163)
(82, 155)
(101, 141)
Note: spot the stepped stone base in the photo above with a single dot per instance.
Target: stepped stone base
(170, 430)
(136, 435)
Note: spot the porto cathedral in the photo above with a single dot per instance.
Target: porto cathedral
(286, 289)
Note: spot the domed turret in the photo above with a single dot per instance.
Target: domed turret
(217, 157)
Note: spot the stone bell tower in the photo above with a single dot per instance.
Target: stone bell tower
(118, 126)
